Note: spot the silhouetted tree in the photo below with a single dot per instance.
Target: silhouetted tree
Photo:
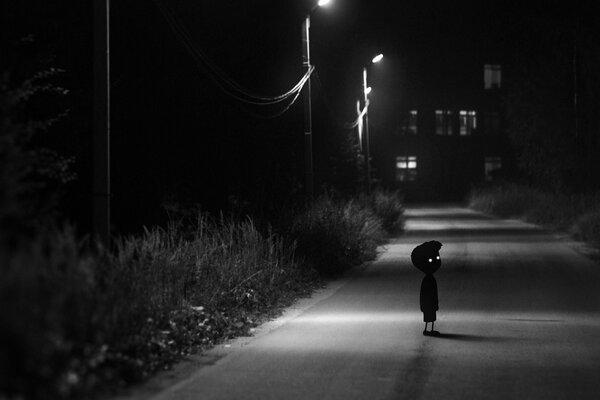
(556, 64)
(32, 174)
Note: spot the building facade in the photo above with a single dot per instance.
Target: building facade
(450, 137)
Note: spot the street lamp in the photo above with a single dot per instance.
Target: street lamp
(366, 91)
(308, 156)
(101, 122)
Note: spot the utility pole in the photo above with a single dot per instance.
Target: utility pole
(366, 129)
(308, 156)
(575, 83)
(101, 122)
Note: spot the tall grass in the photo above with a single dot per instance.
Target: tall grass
(388, 207)
(587, 227)
(578, 214)
(76, 317)
(508, 200)
(333, 236)
(73, 319)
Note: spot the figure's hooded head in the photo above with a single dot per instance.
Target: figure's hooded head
(426, 256)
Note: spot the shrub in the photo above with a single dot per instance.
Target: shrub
(505, 201)
(587, 227)
(75, 319)
(576, 213)
(334, 236)
(30, 176)
(388, 207)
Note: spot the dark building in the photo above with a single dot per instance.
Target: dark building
(450, 135)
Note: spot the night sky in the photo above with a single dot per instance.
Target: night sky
(176, 137)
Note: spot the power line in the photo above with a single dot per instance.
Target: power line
(226, 84)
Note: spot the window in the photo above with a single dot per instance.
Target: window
(491, 167)
(468, 122)
(443, 122)
(406, 168)
(491, 121)
(412, 122)
(492, 76)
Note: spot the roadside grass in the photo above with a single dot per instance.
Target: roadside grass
(78, 320)
(577, 214)
(75, 319)
(388, 207)
(587, 228)
(335, 236)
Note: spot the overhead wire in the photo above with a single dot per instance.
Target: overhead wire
(226, 84)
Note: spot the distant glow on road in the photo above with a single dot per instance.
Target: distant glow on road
(377, 58)
(352, 318)
(462, 316)
(323, 3)
(466, 225)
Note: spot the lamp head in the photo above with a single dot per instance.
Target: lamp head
(323, 3)
(377, 58)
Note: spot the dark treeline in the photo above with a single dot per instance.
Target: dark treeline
(175, 137)
(553, 97)
(45, 112)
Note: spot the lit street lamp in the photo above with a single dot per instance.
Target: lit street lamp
(308, 156)
(366, 91)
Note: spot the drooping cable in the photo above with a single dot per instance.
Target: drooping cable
(226, 84)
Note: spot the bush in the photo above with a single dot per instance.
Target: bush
(77, 318)
(505, 201)
(333, 236)
(587, 227)
(388, 207)
(576, 213)
(74, 319)
(31, 177)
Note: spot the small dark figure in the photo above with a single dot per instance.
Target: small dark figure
(426, 257)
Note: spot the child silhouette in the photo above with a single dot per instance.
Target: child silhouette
(426, 257)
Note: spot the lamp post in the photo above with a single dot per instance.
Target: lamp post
(366, 91)
(308, 153)
(101, 122)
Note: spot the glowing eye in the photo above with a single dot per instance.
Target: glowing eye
(430, 260)
(437, 258)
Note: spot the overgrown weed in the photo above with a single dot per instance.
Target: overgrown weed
(77, 318)
(578, 214)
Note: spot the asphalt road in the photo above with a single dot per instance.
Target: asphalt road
(519, 316)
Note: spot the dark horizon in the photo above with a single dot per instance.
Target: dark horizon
(177, 137)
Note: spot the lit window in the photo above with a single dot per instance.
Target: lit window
(406, 168)
(443, 122)
(412, 122)
(491, 166)
(492, 76)
(468, 122)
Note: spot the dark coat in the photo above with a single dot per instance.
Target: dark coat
(429, 296)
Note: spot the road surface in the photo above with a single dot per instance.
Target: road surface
(519, 316)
